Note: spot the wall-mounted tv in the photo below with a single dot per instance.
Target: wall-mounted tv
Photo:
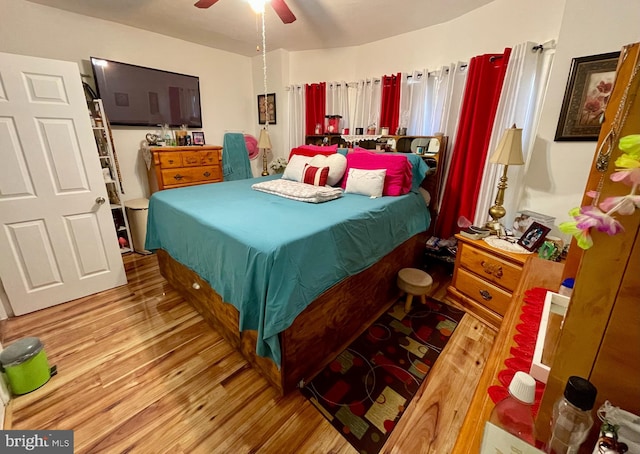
(138, 96)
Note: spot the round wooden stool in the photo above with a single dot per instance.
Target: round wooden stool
(414, 282)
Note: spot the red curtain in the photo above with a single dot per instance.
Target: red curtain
(315, 99)
(479, 105)
(390, 110)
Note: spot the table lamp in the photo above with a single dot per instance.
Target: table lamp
(508, 153)
(264, 142)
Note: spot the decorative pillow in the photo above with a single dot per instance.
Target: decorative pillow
(366, 182)
(337, 164)
(398, 178)
(419, 169)
(295, 167)
(316, 176)
(313, 150)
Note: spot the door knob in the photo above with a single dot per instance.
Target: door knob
(100, 200)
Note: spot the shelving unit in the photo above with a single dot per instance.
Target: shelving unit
(104, 143)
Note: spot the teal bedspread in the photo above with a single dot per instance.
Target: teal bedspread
(270, 257)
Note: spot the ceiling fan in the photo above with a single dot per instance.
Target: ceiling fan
(280, 7)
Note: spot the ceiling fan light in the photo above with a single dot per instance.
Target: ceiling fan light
(257, 6)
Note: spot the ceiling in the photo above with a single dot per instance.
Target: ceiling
(231, 24)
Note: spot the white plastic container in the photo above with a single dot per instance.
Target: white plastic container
(137, 211)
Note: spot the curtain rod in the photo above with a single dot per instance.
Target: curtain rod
(551, 44)
(377, 81)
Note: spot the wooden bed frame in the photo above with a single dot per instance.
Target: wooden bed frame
(325, 328)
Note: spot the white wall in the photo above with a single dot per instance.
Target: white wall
(489, 29)
(225, 78)
(558, 171)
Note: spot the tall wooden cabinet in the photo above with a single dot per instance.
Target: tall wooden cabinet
(111, 174)
(600, 339)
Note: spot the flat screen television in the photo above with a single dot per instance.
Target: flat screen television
(138, 96)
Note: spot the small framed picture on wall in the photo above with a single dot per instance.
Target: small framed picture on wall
(198, 138)
(588, 90)
(267, 110)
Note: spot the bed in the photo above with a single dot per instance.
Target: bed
(289, 284)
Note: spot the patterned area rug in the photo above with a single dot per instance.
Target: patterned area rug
(365, 390)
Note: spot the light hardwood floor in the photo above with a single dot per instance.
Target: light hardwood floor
(140, 371)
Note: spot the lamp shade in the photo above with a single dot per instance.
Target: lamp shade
(264, 141)
(509, 150)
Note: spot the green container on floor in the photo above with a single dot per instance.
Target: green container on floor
(25, 364)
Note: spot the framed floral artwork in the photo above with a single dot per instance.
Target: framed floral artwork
(585, 98)
(268, 109)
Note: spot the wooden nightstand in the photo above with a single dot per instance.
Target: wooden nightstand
(484, 279)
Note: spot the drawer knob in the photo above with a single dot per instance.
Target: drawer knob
(170, 161)
(195, 286)
(207, 174)
(492, 269)
(485, 295)
(178, 177)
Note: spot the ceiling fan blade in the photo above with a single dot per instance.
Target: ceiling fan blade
(283, 11)
(204, 3)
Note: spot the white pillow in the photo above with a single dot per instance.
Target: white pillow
(295, 167)
(366, 182)
(337, 164)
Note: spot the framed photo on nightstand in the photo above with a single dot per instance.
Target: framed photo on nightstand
(534, 236)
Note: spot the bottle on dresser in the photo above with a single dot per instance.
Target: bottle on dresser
(513, 413)
(572, 420)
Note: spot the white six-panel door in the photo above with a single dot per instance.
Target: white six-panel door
(57, 238)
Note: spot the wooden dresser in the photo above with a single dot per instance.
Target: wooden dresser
(484, 279)
(175, 167)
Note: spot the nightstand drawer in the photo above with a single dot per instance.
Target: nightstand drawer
(490, 267)
(483, 292)
(199, 158)
(188, 175)
(170, 159)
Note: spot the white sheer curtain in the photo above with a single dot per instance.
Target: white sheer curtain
(448, 87)
(367, 105)
(520, 103)
(295, 102)
(338, 102)
(413, 109)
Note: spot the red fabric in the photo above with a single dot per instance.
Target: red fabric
(522, 354)
(315, 100)
(316, 176)
(480, 102)
(312, 150)
(399, 174)
(390, 110)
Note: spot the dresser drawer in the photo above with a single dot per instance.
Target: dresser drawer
(485, 293)
(490, 267)
(188, 175)
(199, 158)
(170, 159)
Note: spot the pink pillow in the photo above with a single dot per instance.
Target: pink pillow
(398, 178)
(316, 176)
(313, 150)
